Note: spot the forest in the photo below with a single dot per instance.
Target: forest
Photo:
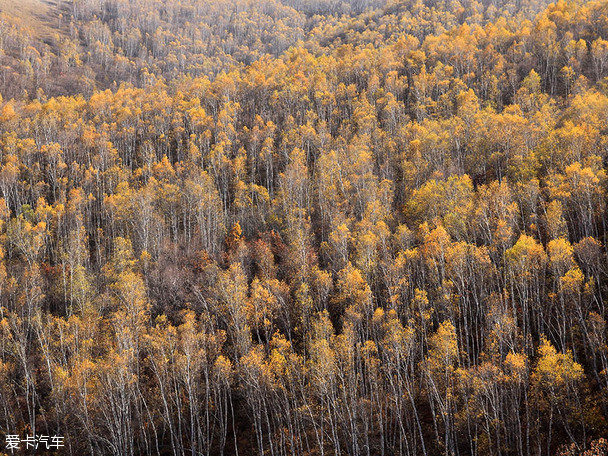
(305, 227)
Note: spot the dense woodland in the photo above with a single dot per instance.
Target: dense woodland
(285, 227)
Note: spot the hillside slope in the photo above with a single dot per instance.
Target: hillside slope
(40, 16)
